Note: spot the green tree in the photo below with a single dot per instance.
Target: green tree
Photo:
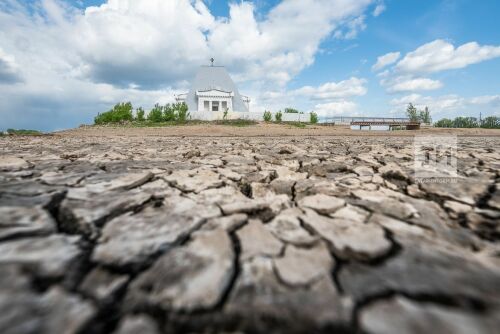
(168, 113)
(425, 116)
(278, 116)
(181, 111)
(268, 116)
(139, 114)
(120, 112)
(156, 114)
(291, 111)
(313, 118)
(491, 122)
(412, 113)
(444, 123)
(465, 122)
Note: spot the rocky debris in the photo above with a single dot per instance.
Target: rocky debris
(18, 221)
(194, 180)
(130, 234)
(46, 257)
(131, 239)
(301, 266)
(12, 163)
(402, 315)
(323, 204)
(256, 240)
(287, 227)
(349, 239)
(102, 285)
(193, 277)
(137, 324)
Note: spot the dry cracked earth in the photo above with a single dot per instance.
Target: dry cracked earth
(245, 235)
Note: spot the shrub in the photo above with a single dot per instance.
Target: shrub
(444, 123)
(120, 112)
(313, 118)
(224, 115)
(268, 116)
(278, 116)
(156, 114)
(168, 113)
(181, 111)
(139, 114)
(23, 132)
(291, 111)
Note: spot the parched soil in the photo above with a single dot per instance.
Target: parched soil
(262, 229)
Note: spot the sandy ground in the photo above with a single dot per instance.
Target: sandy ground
(264, 130)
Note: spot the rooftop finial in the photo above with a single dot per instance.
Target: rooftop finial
(212, 61)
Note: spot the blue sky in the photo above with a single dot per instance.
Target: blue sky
(62, 61)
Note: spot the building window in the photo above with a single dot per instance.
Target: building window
(206, 106)
(224, 105)
(215, 105)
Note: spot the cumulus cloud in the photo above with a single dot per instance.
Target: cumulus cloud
(385, 60)
(438, 104)
(336, 108)
(440, 55)
(334, 90)
(412, 85)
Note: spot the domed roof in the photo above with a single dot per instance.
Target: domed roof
(214, 77)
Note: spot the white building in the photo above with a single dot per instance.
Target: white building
(213, 90)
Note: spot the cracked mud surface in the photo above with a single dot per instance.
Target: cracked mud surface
(117, 234)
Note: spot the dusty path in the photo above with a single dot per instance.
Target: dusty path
(132, 231)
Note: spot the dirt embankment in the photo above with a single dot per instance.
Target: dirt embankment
(265, 130)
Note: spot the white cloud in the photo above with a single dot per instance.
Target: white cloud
(385, 60)
(352, 28)
(338, 108)
(334, 90)
(440, 55)
(438, 104)
(379, 9)
(412, 85)
(486, 99)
